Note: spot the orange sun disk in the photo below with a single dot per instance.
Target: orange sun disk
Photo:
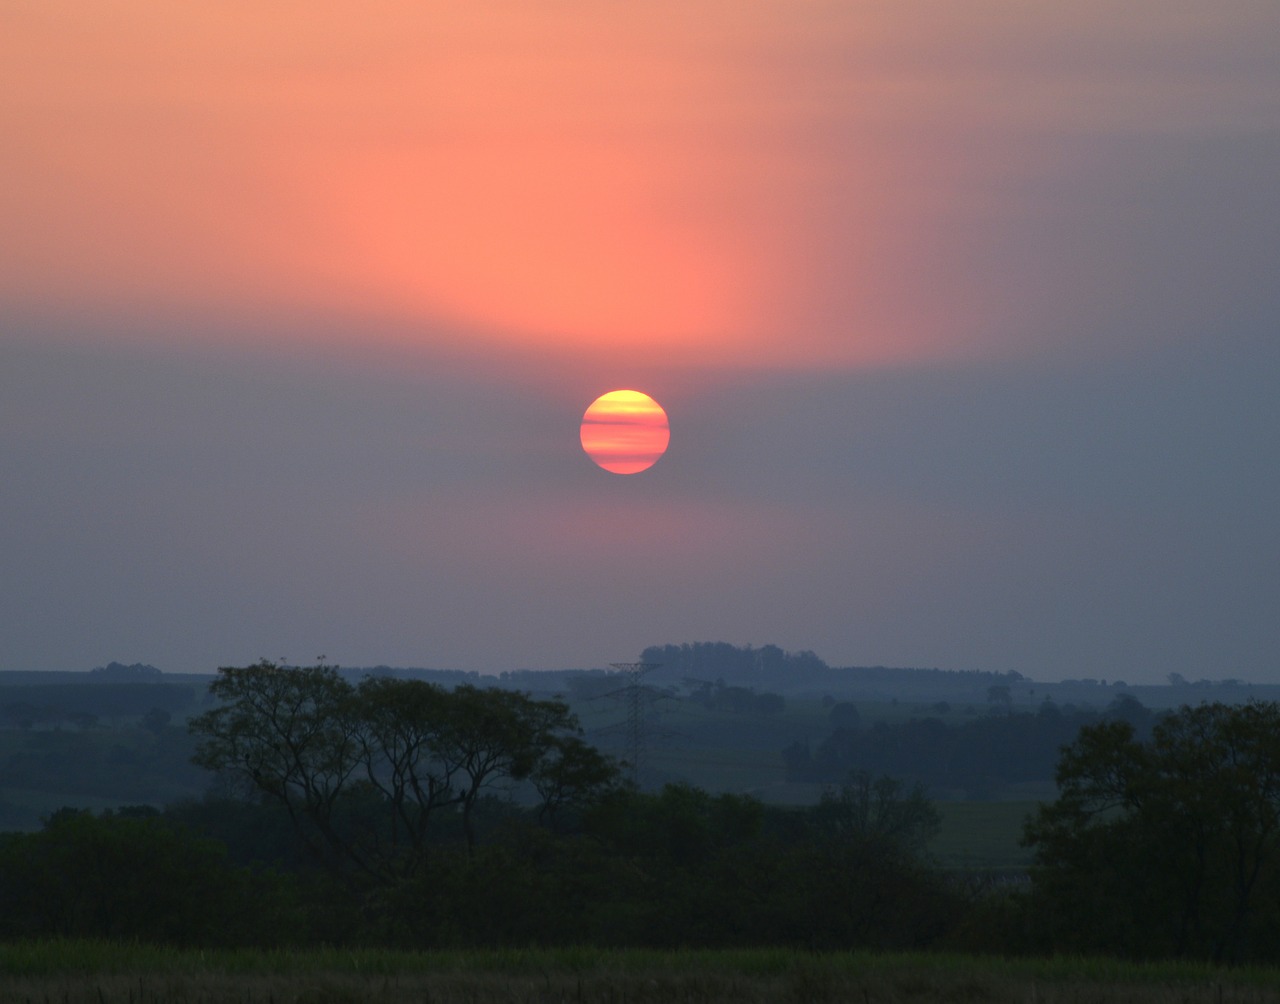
(625, 431)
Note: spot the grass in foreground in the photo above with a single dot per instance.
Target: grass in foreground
(99, 972)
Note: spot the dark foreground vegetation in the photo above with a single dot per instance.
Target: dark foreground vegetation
(91, 972)
(398, 813)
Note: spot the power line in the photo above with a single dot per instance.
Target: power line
(638, 701)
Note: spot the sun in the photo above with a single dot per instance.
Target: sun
(625, 431)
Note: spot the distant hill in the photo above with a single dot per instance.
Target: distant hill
(117, 672)
(693, 666)
(794, 672)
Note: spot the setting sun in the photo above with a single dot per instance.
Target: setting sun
(625, 431)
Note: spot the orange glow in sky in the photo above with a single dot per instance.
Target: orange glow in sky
(625, 431)
(728, 183)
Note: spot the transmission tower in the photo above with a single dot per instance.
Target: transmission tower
(636, 700)
(637, 711)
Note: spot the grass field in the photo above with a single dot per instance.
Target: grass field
(76, 972)
(979, 835)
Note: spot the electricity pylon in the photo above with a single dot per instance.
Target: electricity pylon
(637, 699)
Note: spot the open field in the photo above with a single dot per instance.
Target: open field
(981, 834)
(99, 972)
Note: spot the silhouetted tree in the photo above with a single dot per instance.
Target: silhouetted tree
(882, 812)
(132, 875)
(1000, 697)
(572, 776)
(290, 734)
(1170, 845)
(844, 715)
(363, 770)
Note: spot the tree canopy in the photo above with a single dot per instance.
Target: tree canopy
(1169, 846)
(363, 769)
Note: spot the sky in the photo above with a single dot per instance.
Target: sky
(965, 317)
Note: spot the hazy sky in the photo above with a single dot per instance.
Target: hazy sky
(966, 317)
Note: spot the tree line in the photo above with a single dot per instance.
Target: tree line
(978, 756)
(398, 812)
(83, 704)
(1169, 845)
(365, 770)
